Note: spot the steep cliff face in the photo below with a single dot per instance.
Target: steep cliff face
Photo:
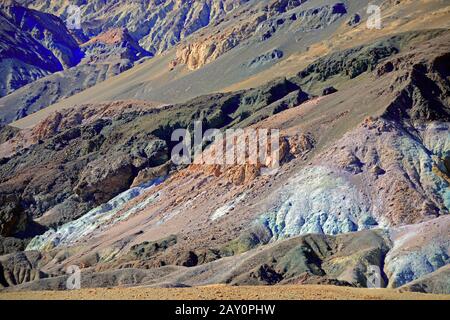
(34, 44)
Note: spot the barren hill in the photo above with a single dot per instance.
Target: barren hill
(363, 145)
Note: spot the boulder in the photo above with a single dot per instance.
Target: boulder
(329, 90)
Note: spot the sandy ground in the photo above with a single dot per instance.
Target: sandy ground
(225, 293)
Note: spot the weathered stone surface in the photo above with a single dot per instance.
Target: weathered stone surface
(67, 173)
(418, 250)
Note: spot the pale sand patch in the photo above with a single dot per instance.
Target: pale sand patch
(222, 292)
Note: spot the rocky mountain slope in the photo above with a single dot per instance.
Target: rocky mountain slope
(34, 44)
(191, 69)
(104, 56)
(157, 24)
(351, 179)
(49, 63)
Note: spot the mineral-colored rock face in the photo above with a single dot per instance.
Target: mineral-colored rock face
(418, 250)
(363, 184)
(320, 201)
(97, 218)
(207, 49)
(382, 174)
(437, 282)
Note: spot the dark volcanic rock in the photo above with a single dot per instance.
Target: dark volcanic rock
(268, 57)
(12, 216)
(293, 99)
(315, 255)
(425, 88)
(263, 96)
(188, 259)
(7, 133)
(263, 274)
(11, 245)
(329, 90)
(100, 183)
(355, 20)
(351, 62)
(75, 168)
(339, 8)
(34, 44)
(146, 250)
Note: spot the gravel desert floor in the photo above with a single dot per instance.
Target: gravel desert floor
(307, 292)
